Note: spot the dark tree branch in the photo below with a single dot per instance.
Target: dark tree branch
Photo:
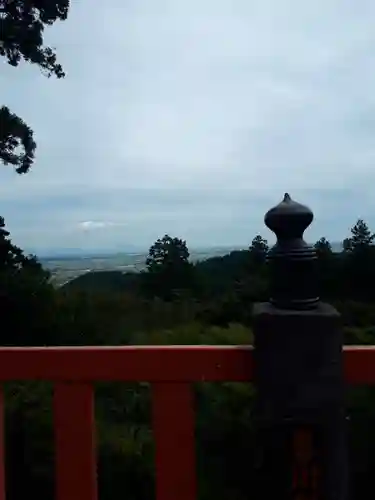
(22, 24)
(17, 146)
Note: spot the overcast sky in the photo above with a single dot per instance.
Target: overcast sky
(193, 117)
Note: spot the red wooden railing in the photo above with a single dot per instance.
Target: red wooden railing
(170, 369)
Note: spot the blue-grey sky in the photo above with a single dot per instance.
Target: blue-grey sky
(193, 118)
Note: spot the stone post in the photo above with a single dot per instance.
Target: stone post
(300, 416)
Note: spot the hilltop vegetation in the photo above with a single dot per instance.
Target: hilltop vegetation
(174, 301)
(103, 281)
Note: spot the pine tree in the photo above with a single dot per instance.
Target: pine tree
(169, 269)
(323, 247)
(258, 251)
(361, 239)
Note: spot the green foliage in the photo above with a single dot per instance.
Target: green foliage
(258, 250)
(115, 309)
(22, 26)
(217, 276)
(29, 439)
(359, 263)
(21, 34)
(13, 260)
(167, 252)
(25, 295)
(328, 269)
(15, 133)
(360, 240)
(105, 282)
(170, 274)
(323, 248)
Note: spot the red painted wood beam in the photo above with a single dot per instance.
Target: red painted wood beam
(155, 364)
(133, 363)
(75, 450)
(173, 423)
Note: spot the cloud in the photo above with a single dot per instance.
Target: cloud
(194, 118)
(93, 225)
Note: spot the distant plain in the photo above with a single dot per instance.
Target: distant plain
(64, 269)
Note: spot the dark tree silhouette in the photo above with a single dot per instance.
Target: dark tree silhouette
(22, 24)
(258, 250)
(323, 247)
(361, 239)
(169, 269)
(359, 255)
(17, 145)
(329, 274)
(167, 252)
(13, 261)
(25, 294)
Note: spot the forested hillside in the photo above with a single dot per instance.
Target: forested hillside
(172, 302)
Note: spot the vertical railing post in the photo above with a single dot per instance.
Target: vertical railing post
(298, 342)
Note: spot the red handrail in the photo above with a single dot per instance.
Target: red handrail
(170, 370)
(128, 363)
